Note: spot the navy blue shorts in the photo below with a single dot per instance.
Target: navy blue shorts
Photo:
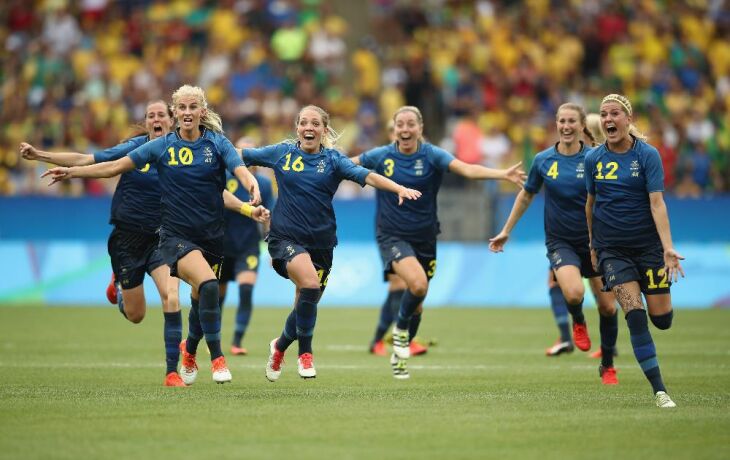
(174, 248)
(246, 261)
(645, 265)
(561, 253)
(283, 251)
(394, 248)
(133, 254)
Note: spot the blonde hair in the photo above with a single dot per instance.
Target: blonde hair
(623, 101)
(413, 109)
(210, 120)
(593, 123)
(330, 136)
(583, 117)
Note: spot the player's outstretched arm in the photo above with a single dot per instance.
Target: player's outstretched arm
(98, 170)
(383, 183)
(233, 203)
(661, 220)
(28, 152)
(249, 181)
(513, 174)
(522, 202)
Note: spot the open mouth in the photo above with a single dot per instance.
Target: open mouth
(611, 129)
(157, 130)
(308, 136)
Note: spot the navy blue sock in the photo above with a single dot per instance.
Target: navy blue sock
(289, 334)
(243, 314)
(172, 335)
(644, 349)
(560, 312)
(576, 311)
(609, 331)
(306, 311)
(662, 321)
(413, 326)
(387, 314)
(221, 301)
(408, 306)
(210, 317)
(195, 332)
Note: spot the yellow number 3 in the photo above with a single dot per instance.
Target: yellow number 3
(389, 164)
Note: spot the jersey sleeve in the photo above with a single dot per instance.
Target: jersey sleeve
(346, 169)
(119, 150)
(653, 171)
(267, 193)
(265, 156)
(588, 166)
(372, 157)
(229, 154)
(441, 158)
(533, 184)
(148, 152)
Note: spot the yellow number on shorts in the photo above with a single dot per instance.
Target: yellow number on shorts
(216, 270)
(611, 174)
(660, 273)
(185, 154)
(389, 164)
(252, 262)
(431, 268)
(232, 185)
(297, 166)
(553, 171)
(320, 274)
(145, 168)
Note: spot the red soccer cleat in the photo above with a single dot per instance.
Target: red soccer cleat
(173, 379)
(580, 336)
(608, 375)
(417, 348)
(111, 290)
(238, 351)
(378, 348)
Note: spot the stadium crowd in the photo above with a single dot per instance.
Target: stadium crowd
(488, 75)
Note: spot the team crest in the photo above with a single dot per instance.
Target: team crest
(419, 167)
(320, 166)
(208, 154)
(579, 170)
(635, 168)
(290, 250)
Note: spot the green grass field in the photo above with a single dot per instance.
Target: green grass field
(82, 383)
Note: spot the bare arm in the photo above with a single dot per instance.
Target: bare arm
(661, 220)
(246, 178)
(522, 202)
(471, 171)
(356, 160)
(590, 200)
(97, 170)
(257, 213)
(383, 183)
(28, 152)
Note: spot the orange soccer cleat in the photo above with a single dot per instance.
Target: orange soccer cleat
(238, 351)
(111, 290)
(417, 348)
(580, 336)
(221, 374)
(378, 348)
(173, 379)
(608, 375)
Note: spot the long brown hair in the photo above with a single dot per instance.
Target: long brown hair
(582, 115)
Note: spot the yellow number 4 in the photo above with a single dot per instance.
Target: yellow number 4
(553, 171)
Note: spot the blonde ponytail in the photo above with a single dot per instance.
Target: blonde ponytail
(210, 120)
(623, 101)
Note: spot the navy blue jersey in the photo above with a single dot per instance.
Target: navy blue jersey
(136, 201)
(241, 231)
(307, 182)
(621, 183)
(414, 220)
(565, 193)
(192, 179)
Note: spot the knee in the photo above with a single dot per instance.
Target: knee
(664, 321)
(574, 295)
(419, 288)
(606, 309)
(134, 316)
(208, 290)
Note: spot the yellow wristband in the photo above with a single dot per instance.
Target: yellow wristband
(246, 209)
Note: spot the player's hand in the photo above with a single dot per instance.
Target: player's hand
(672, 265)
(28, 152)
(255, 195)
(260, 214)
(408, 194)
(57, 174)
(515, 175)
(496, 243)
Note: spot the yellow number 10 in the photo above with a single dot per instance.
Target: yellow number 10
(185, 154)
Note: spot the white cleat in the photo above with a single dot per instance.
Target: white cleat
(221, 374)
(400, 371)
(401, 347)
(276, 359)
(663, 400)
(188, 367)
(305, 366)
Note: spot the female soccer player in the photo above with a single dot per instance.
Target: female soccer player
(242, 239)
(191, 164)
(407, 236)
(133, 243)
(629, 233)
(561, 169)
(302, 237)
